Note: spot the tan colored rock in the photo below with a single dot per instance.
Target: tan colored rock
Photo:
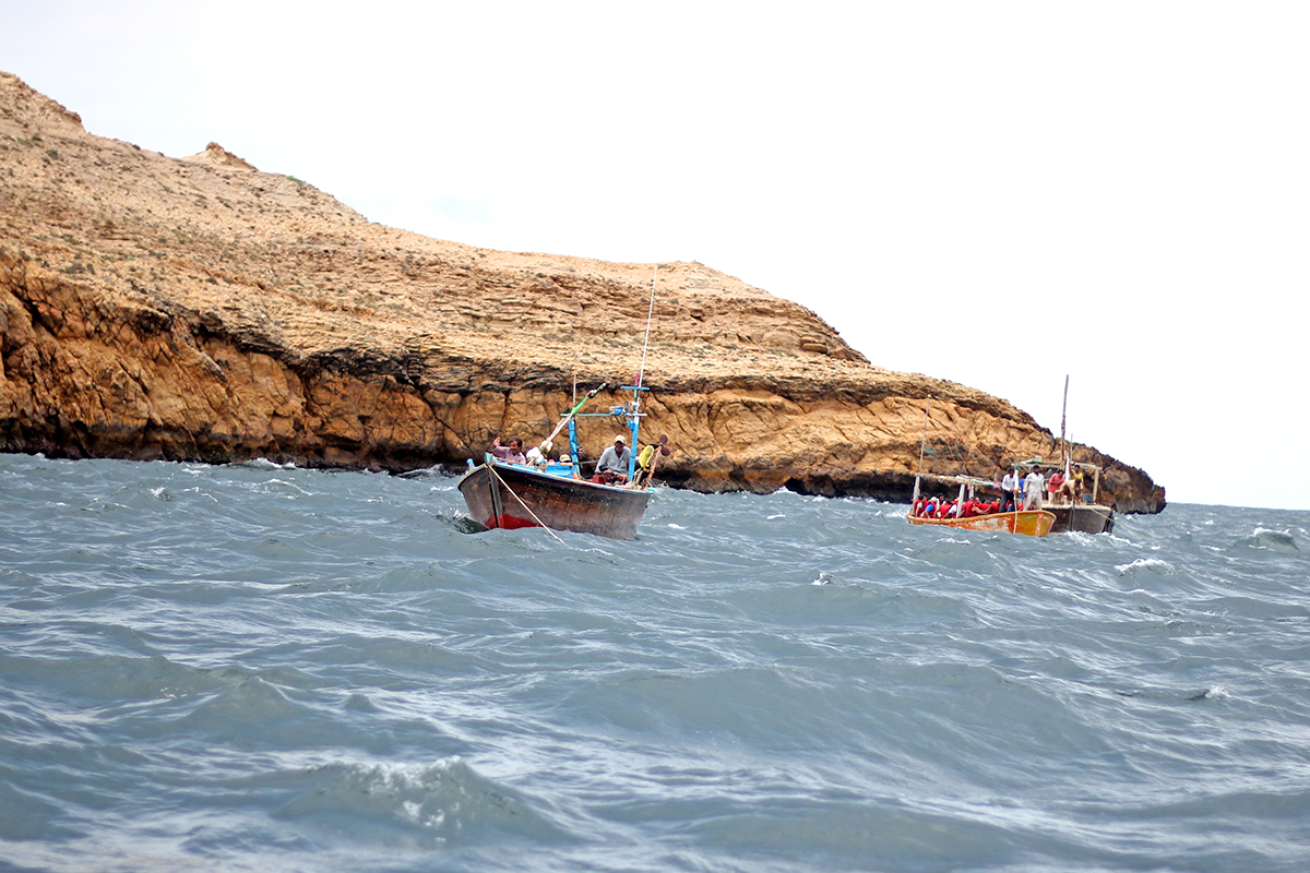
(220, 157)
(198, 308)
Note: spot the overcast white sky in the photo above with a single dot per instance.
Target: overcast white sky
(995, 193)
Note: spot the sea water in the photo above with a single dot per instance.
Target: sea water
(231, 668)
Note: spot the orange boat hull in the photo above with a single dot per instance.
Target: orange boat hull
(1031, 522)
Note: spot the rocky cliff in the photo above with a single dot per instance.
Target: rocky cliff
(197, 308)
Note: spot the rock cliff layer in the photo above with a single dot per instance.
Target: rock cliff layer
(199, 309)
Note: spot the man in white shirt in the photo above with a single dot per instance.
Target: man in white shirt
(1010, 483)
(1032, 490)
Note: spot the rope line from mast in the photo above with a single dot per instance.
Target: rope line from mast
(650, 313)
(540, 523)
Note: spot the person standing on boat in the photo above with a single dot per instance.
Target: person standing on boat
(1010, 486)
(1032, 490)
(1054, 486)
(512, 453)
(646, 457)
(613, 463)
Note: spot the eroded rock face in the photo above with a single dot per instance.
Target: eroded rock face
(200, 309)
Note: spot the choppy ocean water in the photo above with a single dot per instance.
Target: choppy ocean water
(258, 668)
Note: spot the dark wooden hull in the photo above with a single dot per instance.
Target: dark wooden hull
(1087, 518)
(510, 497)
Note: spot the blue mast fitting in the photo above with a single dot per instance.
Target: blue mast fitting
(573, 446)
(630, 412)
(634, 425)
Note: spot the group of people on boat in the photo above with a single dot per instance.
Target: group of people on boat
(1018, 493)
(537, 456)
(1065, 489)
(940, 507)
(611, 468)
(1029, 491)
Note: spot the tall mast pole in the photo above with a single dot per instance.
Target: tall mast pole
(634, 423)
(1064, 447)
(926, 412)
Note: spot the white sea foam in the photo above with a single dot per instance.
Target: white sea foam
(1146, 565)
(266, 464)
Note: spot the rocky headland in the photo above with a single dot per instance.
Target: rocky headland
(199, 309)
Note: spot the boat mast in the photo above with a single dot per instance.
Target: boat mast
(1064, 446)
(637, 388)
(927, 409)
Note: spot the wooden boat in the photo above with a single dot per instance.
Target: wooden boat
(1081, 514)
(1028, 522)
(1031, 522)
(1082, 518)
(512, 496)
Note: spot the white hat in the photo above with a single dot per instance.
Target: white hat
(619, 439)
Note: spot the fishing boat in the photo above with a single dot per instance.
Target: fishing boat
(1081, 512)
(500, 494)
(1075, 509)
(1028, 522)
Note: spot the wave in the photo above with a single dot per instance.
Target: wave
(1272, 540)
(1151, 566)
(279, 669)
(442, 804)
